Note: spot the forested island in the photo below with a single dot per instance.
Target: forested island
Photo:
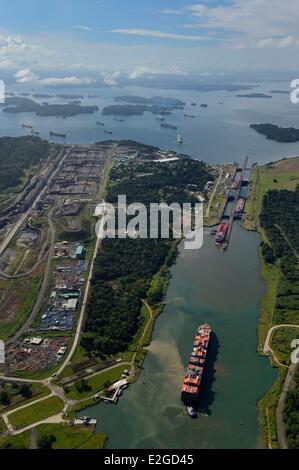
(254, 95)
(127, 271)
(276, 133)
(26, 105)
(156, 100)
(137, 105)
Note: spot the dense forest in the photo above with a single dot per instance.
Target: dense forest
(18, 154)
(124, 267)
(154, 182)
(280, 220)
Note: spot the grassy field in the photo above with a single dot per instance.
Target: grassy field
(16, 398)
(283, 174)
(21, 441)
(26, 303)
(77, 437)
(96, 383)
(36, 412)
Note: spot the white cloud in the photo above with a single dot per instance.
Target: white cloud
(148, 71)
(249, 20)
(158, 34)
(82, 28)
(25, 76)
(111, 79)
(170, 11)
(58, 81)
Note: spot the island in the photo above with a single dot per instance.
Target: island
(276, 133)
(26, 105)
(280, 92)
(155, 101)
(254, 95)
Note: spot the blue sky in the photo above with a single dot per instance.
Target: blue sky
(140, 37)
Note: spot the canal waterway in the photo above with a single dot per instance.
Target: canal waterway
(224, 289)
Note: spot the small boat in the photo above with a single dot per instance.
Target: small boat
(34, 132)
(99, 123)
(180, 138)
(160, 118)
(191, 412)
(107, 132)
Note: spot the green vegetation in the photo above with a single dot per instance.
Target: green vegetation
(21, 441)
(25, 301)
(18, 154)
(279, 134)
(281, 343)
(15, 394)
(267, 407)
(95, 384)
(291, 414)
(278, 220)
(124, 268)
(36, 412)
(67, 437)
(26, 105)
(283, 174)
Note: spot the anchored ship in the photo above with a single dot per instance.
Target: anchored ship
(192, 381)
(57, 134)
(165, 125)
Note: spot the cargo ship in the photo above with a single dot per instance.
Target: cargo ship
(239, 208)
(221, 234)
(180, 138)
(57, 134)
(197, 361)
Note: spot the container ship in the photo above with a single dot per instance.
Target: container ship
(221, 234)
(197, 361)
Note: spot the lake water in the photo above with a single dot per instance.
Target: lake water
(219, 133)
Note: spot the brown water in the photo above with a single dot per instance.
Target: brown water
(223, 289)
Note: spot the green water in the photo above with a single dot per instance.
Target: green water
(223, 289)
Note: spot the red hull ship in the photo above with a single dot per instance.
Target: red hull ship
(197, 361)
(221, 234)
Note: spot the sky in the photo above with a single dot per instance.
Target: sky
(80, 41)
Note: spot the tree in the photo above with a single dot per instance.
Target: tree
(26, 391)
(46, 441)
(4, 398)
